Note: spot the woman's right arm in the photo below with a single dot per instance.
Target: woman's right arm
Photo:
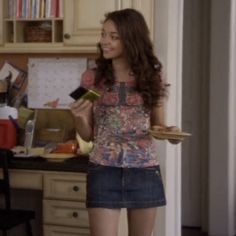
(82, 110)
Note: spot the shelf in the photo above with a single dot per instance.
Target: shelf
(46, 48)
(30, 30)
(75, 28)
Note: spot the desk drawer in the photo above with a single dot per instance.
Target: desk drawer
(26, 179)
(65, 186)
(50, 230)
(65, 213)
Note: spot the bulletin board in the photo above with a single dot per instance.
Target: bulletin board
(51, 80)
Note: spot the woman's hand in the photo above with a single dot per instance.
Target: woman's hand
(173, 129)
(82, 109)
(163, 128)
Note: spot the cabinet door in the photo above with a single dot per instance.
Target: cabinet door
(146, 7)
(82, 21)
(65, 187)
(65, 213)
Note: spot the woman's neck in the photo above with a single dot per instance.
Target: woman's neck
(121, 70)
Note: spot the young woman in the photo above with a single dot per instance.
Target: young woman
(123, 170)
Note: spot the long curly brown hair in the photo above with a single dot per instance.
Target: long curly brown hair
(138, 49)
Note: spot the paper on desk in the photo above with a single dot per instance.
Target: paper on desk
(21, 151)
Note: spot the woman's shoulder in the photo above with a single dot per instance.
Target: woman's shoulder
(88, 78)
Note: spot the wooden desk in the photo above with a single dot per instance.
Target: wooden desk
(28, 173)
(63, 187)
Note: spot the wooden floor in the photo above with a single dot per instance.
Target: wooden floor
(192, 232)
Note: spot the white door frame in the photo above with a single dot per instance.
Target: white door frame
(168, 27)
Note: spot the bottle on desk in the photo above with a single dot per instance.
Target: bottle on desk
(29, 134)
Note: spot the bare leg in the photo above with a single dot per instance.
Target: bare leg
(104, 222)
(141, 221)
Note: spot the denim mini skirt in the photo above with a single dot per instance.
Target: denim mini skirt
(115, 187)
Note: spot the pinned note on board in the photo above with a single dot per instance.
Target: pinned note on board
(50, 81)
(8, 70)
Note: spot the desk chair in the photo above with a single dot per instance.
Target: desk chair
(9, 218)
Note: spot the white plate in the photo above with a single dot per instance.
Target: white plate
(58, 157)
(169, 134)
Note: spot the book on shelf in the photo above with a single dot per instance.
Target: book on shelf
(29, 9)
(47, 8)
(61, 8)
(18, 8)
(11, 8)
(35, 9)
(42, 8)
(53, 12)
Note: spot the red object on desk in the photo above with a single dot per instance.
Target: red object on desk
(7, 134)
(65, 148)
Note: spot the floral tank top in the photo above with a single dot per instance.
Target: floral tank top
(121, 124)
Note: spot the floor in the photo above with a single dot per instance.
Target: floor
(192, 232)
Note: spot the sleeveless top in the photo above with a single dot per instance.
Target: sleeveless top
(121, 124)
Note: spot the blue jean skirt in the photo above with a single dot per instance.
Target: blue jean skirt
(114, 187)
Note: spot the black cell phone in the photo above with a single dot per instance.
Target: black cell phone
(84, 93)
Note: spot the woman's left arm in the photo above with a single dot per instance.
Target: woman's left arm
(158, 116)
(158, 121)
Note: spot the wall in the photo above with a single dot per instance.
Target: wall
(21, 60)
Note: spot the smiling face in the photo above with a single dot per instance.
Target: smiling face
(111, 45)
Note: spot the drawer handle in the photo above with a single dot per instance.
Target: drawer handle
(76, 188)
(67, 36)
(75, 214)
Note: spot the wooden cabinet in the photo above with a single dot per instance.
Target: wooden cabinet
(82, 22)
(27, 33)
(64, 209)
(76, 30)
(66, 186)
(62, 231)
(64, 196)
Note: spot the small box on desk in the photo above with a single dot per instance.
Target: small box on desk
(55, 126)
(51, 135)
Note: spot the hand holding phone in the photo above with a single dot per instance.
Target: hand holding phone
(84, 93)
